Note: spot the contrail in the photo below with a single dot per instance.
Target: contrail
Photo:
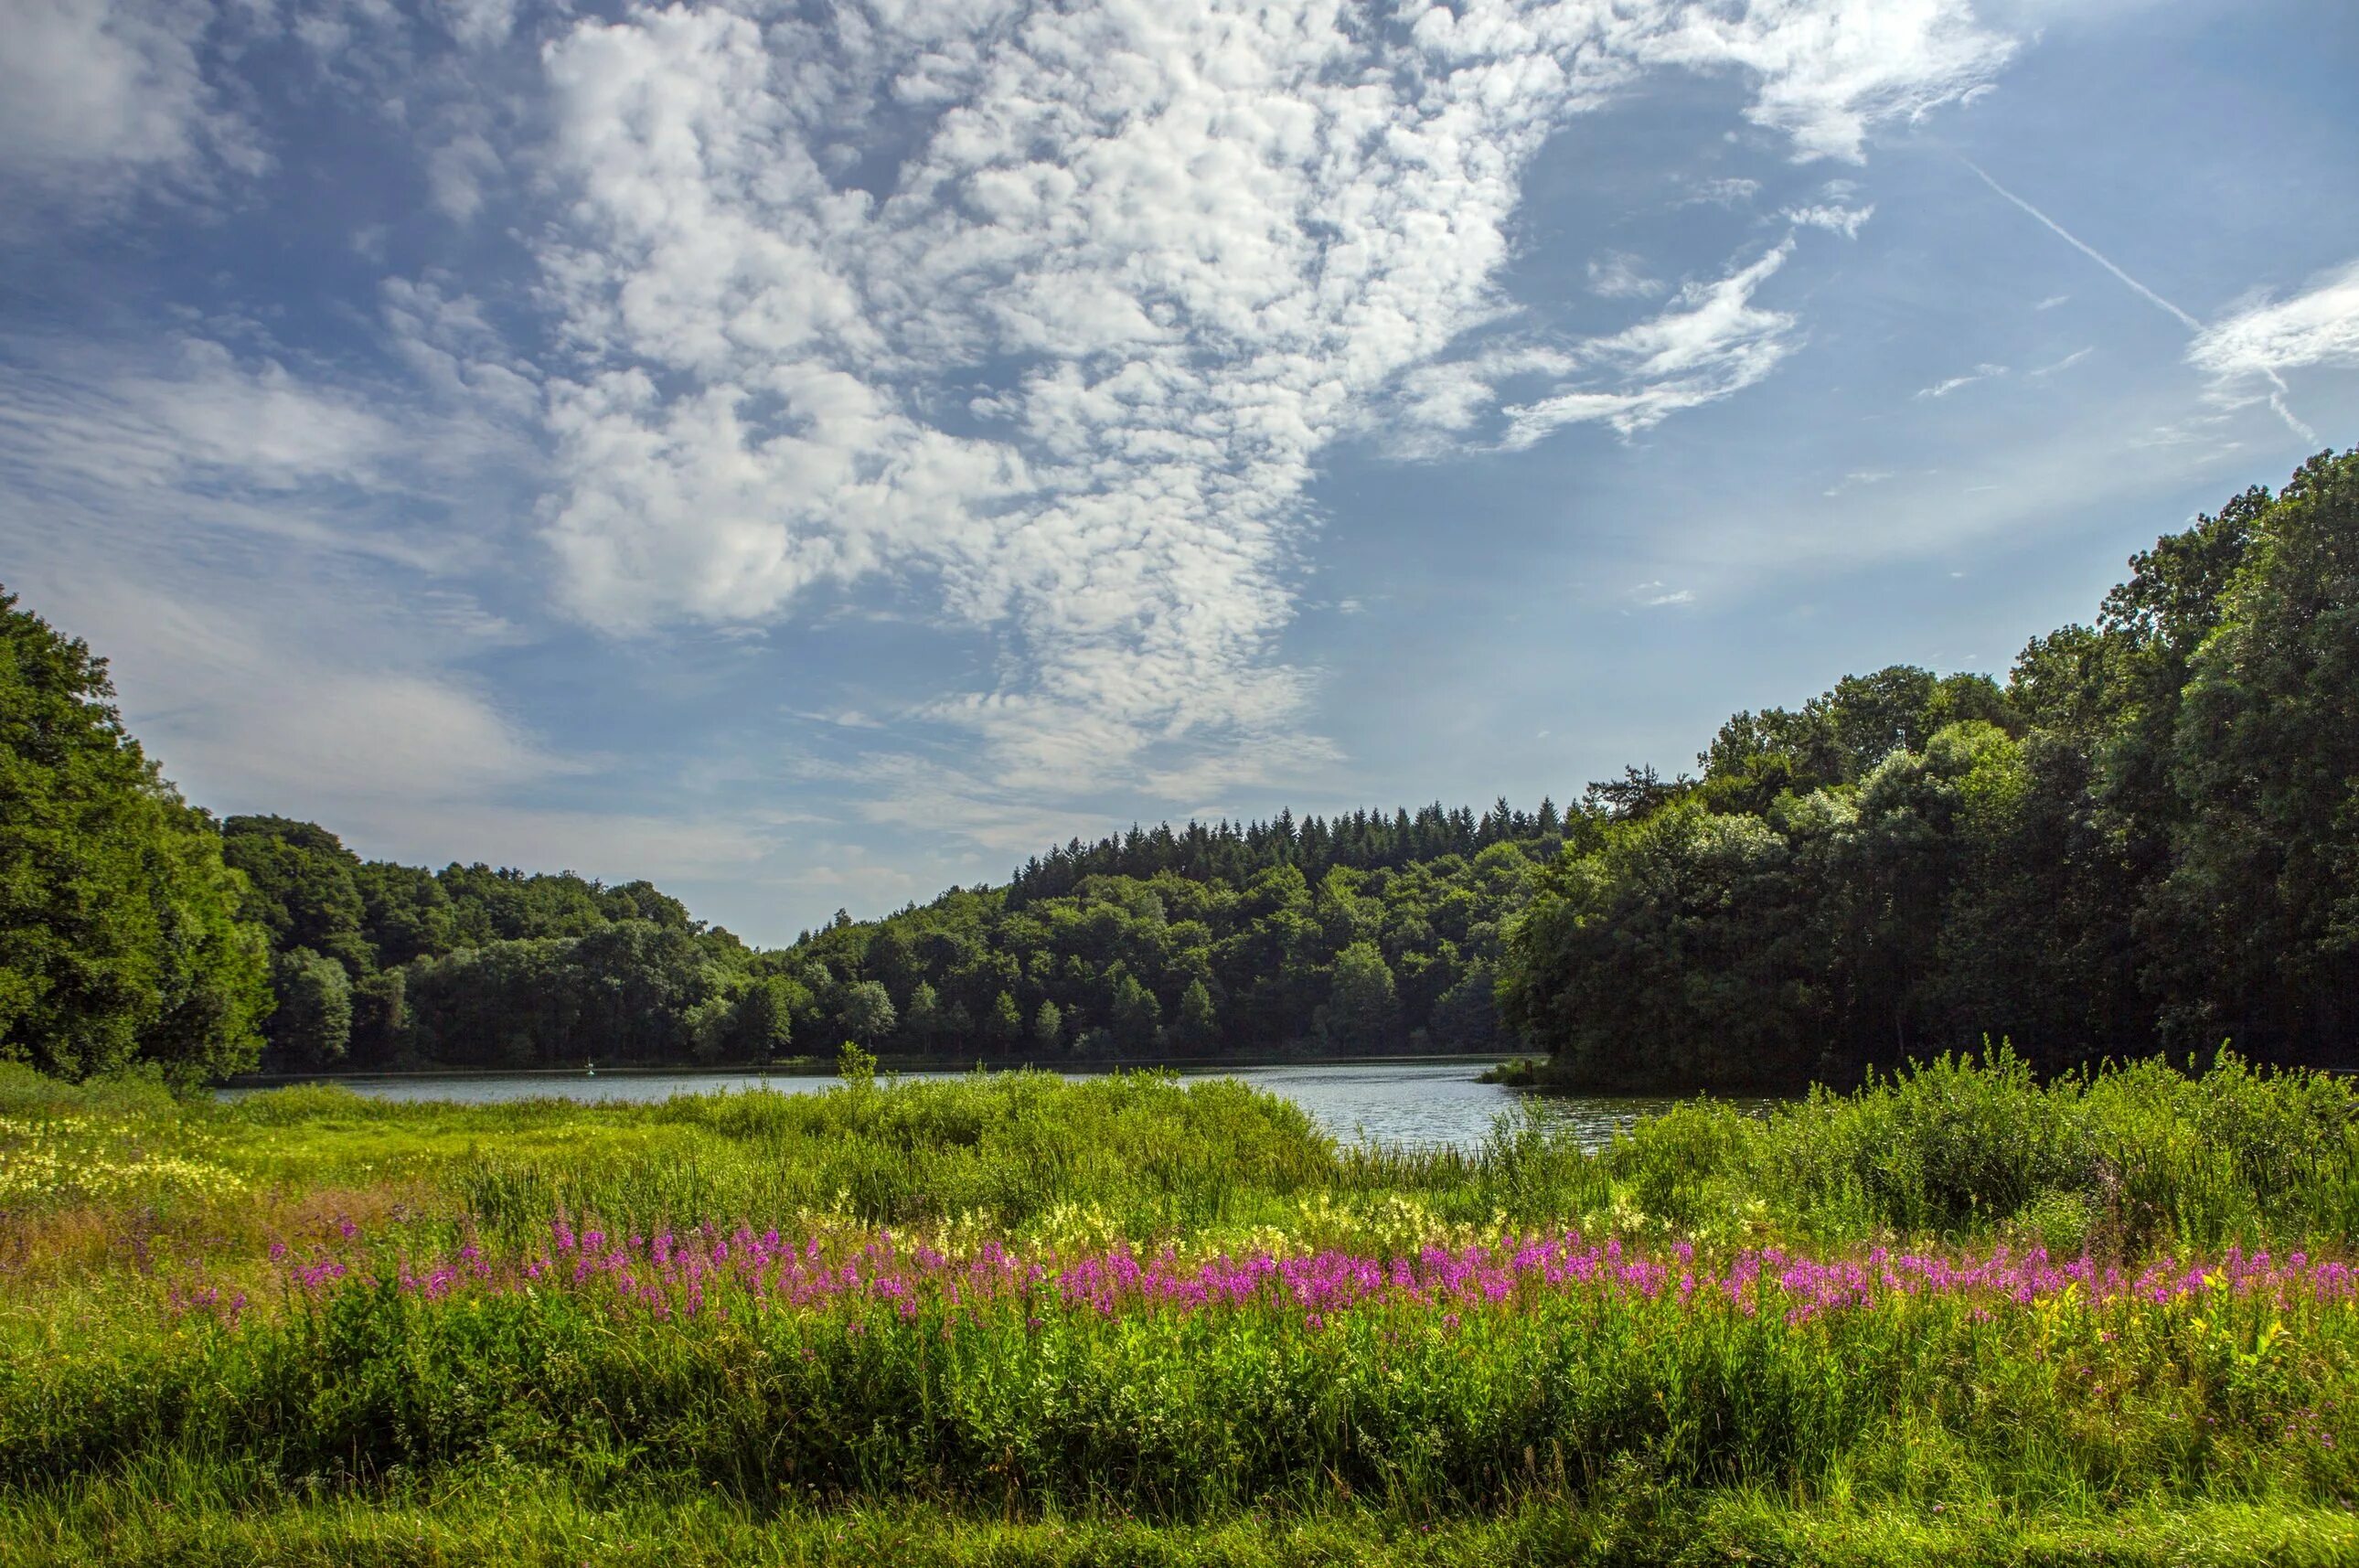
(2061, 233)
(2276, 397)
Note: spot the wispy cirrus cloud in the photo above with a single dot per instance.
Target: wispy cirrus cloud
(1710, 343)
(2257, 341)
(2265, 337)
(1948, 385)
(1618, 275)
(2058, 367)
(1857, 478)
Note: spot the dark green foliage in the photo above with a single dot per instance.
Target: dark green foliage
(2150, 835)
(1235, 853)
(867, 1014)
(1322, 935)
(302, 888)
(1005, 1027)
(120, 940)
(312, 1025)
(471, 967)
(631, 991)
(1198, 1025)
(1183, 960)
(761, 1025)
(480, 967)
(1361, 1009)
(2261, 892)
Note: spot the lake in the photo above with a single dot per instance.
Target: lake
(1425, 1104)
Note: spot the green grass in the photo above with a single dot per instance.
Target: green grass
(550, 1424)
(535, 1525)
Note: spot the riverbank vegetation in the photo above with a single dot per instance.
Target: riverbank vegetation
(1013, 1319)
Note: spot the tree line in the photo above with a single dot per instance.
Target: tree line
(376, 964)
(1232, 853)
(133, 927)
(2146, 836)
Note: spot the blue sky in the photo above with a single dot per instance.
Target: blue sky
(811, 455)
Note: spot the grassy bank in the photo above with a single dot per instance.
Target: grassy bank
(1011, 1319)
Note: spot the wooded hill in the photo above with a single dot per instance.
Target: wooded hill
(1267, 941)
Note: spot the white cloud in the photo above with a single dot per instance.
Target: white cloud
(456, 173)
(1828, 68)
(1724, 193)
(265, 677)
(2255, 343)
(1858, 478)
(460, 360)
(2266, 337)
(847, 718)
(229, 530)
(185, 435)
(95, 95)
(1656, 597)
(1943, 389)
(1037, 318)
(280, 640)
(186, 419)
(1618, 275)
(479, 23)
(1843, 221)
(1710, 343)
(1210, 237)
(2067, 363)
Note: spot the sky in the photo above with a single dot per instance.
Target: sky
(812, 456)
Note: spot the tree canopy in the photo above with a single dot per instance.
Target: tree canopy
(2149, 835)
(120, 941)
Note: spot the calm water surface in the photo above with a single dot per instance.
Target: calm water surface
(1426, 1104)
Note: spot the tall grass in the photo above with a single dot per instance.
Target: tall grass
(366, 1298)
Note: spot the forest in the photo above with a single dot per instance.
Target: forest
(141, 929)
(2146, 835)
(1363, 935)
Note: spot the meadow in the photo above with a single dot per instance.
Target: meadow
(1957, 1315)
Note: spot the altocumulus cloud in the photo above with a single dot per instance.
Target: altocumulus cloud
(1193, 242)
(1039, 316)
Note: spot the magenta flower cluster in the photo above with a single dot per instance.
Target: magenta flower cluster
(712, 1270)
